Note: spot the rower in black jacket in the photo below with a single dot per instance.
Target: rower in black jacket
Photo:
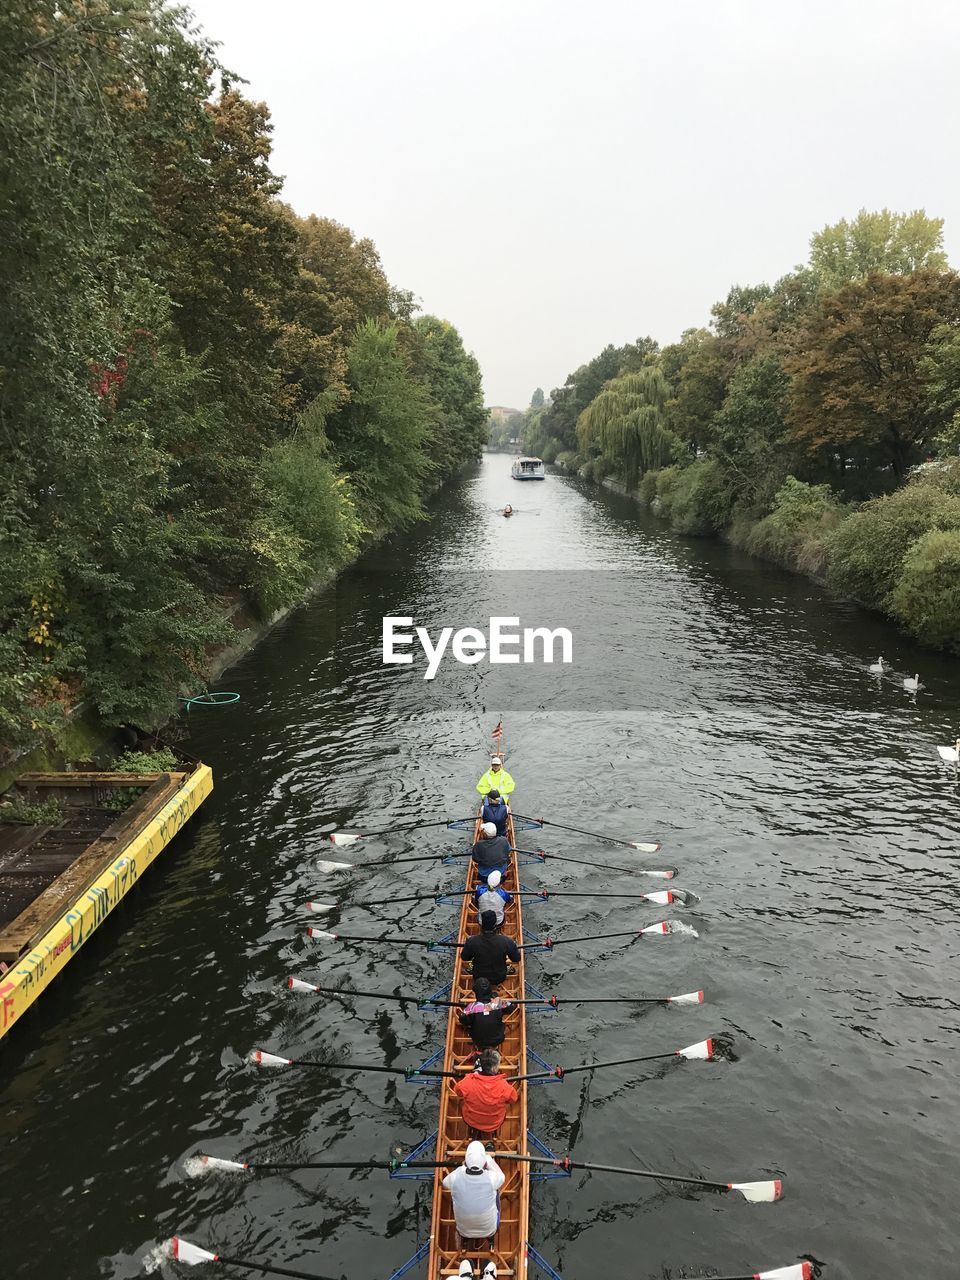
(490, 951)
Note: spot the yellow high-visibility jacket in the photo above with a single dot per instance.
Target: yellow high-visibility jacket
(500, 781)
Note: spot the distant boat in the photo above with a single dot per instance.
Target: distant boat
(528, 469)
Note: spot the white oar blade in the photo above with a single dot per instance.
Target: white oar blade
(948, 753)
(645, 846)
(329, 868)
(691, 997)
(657, 930)
(319, 933)
(661, 875)
(663, 898)
(702, 1051)
(215, 1164)
(189, 1253)
(296, 984)
(264, 1059)
(321, 908)
(760, 1193)
(344, 838)
(799, 1271)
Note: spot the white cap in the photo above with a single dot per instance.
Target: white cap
(476, 1156)
(466, 1268)
(489, 1270)
(493, 879)
(496, 760)
(489, 829)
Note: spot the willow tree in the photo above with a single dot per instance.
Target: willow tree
(626, 422)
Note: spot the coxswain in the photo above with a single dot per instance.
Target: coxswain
(494, 810)
(474, 1189)
(491, 896)
(491, 852)
(490, 951)
(484, 1096)
(496, 779)
(483, 1018)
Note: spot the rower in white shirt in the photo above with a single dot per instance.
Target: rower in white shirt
(474, 1188)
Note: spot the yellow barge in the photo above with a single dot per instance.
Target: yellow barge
(59, 882)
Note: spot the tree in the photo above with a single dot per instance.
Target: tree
(748, 431)
(894, 243)
(380, 435)
(857, 388)
(626, 421)
(740, 303)
(452, 379)
(536, 400)
(940, 371)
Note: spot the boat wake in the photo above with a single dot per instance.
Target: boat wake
(195, 1167)
(677, 926)
(154, 1260)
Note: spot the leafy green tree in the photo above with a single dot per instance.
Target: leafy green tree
(380, 435)
(857, 383)
(748, 432)
(892, 243)
(537, 399)
(452, 378)
(627, 423)
(939, 369)
(741, 302)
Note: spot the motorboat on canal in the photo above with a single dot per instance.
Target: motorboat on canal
(528, 469)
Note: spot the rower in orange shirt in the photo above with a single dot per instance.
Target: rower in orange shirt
(484, 1096)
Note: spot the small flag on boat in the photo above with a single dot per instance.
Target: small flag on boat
(498, 731)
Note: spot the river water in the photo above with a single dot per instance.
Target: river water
(714, 703)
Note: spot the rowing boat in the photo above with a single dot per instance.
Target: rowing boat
(523, 1157)
(508, 1249)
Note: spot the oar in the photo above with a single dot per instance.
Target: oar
(662, 898)
(350, 837)
(214, 1164)
(798, 1271)
(387, 937)
(264, 1059)
(702, 1051)
(389, 862)
(755, 1192)
(193, 1255)
(657, 930)
(645, 846)
(541, 855)
(297, 984)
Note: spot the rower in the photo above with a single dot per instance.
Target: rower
(491, 897)
(508, 510)
(494, 810)
(491, 852)
(490, 951)
(474, 1187)
(484, 1017)
(496, 778)
(484, 1096)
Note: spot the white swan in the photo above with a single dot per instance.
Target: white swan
(950, 754)
(912, 684)
(877, 667)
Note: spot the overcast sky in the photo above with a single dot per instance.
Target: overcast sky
(552, 176)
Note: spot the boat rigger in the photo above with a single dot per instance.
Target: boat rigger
(522, 1157)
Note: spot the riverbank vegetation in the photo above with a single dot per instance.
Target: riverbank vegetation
(206, 401)
(816, 422)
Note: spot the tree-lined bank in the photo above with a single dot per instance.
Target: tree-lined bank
(204, 398)
(815, 423)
